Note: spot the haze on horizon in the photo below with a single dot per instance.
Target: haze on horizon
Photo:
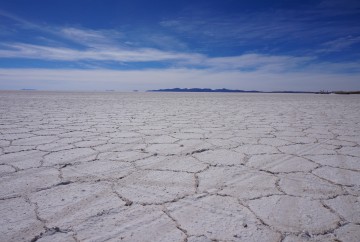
(307, 45)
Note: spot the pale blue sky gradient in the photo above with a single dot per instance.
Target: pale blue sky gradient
(125, 45)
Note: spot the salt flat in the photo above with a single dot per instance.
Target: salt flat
(179, 167)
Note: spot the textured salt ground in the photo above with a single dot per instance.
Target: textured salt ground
(179, 167)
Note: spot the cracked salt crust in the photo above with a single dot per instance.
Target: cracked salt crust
(23, 159)
(5, 169)
(352, 151)
(179, 167)
(170, 163)
(256, 149)
(337, 161)
(66, 205)
(18, 220)
(221, 157)
(98, 169)
(280, 163)
(308, 185)
(37, 140)
(154, 187)
(70, 156)
(239, 182)
(218, 218)
(309, 149)
(137, 223)
(15, 184)
(294, 214)
(349, 232)
(338, 176)
(347, 207)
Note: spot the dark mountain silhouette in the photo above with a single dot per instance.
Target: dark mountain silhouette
(219, 90)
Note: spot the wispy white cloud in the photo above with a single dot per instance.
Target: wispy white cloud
(110, 53)
(248, 62)
(92, 38)
(106, 45)
(99, 38)
(96, 45)
(83, 36)
(312, 25)
(258, 62)
(166, 42)
(339, 44)
(24, 23)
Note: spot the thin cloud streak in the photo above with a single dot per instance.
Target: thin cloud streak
(258, 62)
(83, 36)
(111, 53)
(273, 27)
(92, 38)
(21, 50)
(247, 62)
(340, 44)
(25, 23)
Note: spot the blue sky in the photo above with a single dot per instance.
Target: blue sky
(138, 44)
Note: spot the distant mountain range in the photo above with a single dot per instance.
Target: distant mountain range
(223, 90)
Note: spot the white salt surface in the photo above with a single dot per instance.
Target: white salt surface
(179, 167)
